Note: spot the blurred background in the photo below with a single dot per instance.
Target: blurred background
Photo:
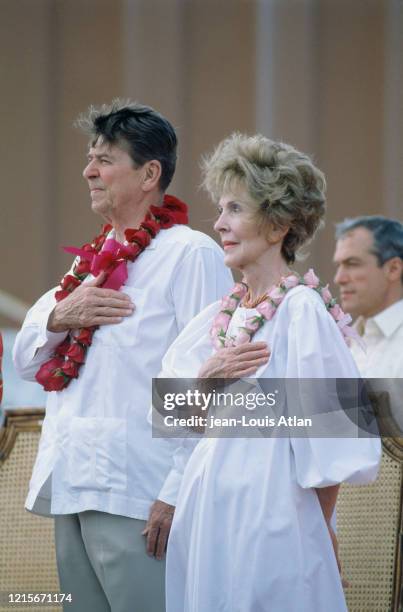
(323, 75)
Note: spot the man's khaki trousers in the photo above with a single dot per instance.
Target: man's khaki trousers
(103, 563)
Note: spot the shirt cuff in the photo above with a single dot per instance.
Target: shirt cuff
(170, 488)
(48, 338)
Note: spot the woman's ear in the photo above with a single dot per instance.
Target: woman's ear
(276, 234)
(152, 174)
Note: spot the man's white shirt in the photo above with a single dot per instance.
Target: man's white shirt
(96, 450)
(383, 338)
(383, 355)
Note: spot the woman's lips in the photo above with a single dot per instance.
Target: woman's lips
(228, 245)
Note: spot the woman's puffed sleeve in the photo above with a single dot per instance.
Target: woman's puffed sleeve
(335, 449)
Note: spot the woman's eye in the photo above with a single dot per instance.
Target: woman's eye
(231, 207)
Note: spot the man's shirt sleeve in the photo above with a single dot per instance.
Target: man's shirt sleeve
(34, 343)
(200, 279)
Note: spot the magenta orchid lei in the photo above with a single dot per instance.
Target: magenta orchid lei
(267, 309)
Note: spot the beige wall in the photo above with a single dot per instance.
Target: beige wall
(25, 155)
(56, 58)
(316, 73)
(350, 118)
(328, 78)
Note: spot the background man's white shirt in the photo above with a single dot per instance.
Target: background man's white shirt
(383, 337)
(383, 357)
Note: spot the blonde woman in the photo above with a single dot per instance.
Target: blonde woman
(252, 528)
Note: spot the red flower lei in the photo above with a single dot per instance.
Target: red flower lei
(57, 373)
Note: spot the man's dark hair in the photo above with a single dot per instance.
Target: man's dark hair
(387, 234)
(143, 132)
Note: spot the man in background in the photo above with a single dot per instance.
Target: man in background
(369, 260)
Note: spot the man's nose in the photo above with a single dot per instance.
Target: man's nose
(341, 276)
(90, 170)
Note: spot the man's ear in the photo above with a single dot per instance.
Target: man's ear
(394, 268)
(152, 175)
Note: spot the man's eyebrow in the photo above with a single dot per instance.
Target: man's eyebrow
(347, 260)
(91, 155)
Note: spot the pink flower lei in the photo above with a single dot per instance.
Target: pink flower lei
(268, 308)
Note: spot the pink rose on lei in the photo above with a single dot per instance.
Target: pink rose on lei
(242, 338)
(252, 324)
(219, 342)
(222, 320)
(215, 331)
(344, 321)
(239, 290)
(311, 279)
(336, 312)
(276, 295)
(216, 338)
(290, 281)
(229, 303)
(326, 295)
(266, 309)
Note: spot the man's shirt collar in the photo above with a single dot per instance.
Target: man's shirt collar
(386, 321)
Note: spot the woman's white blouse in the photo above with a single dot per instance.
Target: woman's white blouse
(248, 531)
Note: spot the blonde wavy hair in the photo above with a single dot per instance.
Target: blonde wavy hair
(285, 188)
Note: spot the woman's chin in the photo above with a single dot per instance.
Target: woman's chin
(232, 262)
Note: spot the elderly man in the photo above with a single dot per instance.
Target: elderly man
(95, 345)
(369, 259)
